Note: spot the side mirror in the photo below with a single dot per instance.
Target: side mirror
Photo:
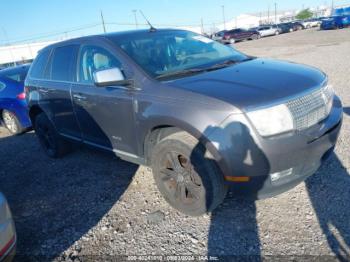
(110, 77)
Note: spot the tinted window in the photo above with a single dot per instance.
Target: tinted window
(63, 63)
(39, 64)
(16, 74)
(93, 58)
(167, 52)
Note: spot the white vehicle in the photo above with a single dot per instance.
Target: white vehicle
(310, 23)
(7, 232)
(268, 30)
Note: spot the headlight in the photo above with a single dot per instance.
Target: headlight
(273, 120)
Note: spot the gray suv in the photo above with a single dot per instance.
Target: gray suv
(202, 115)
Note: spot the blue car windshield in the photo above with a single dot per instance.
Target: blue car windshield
(166, 52)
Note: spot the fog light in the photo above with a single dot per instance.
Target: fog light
(279, 175)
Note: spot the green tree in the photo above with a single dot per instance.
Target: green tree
(304, 14)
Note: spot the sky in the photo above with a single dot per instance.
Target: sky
(39, 20)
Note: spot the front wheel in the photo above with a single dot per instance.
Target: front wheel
(186, 175)
(52, 143)
(12, 123)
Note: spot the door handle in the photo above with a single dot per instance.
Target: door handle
(43, 90)
(79, 97)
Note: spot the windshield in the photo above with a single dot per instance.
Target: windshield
(166, 52)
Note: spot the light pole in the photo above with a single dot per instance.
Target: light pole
(135, 16)
(223, 16)
(275, 13)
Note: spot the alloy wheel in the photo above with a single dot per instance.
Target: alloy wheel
(180, 179)
(10, 121)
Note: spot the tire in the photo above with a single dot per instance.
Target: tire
(52, 143)
(255, 37)
(186, 175)
(277, 33)
(12, 123)
(232, 41)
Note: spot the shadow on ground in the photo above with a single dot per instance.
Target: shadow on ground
(347, 110)
(56, 202)
(329, 192)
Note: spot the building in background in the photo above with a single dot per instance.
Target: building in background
(270, 17)
(11, 55)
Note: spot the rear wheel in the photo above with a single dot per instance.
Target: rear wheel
(232, 41)
(52, 143)
(255, 37)
(11, 122)
(188, 180)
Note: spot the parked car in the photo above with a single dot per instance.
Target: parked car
(268, 30)
(285, 28)
(13, 106)
(309, 23)
(7, 232)
(201, 114)
(335, 22)
(297, 26)
(235, 35)
(219, 35)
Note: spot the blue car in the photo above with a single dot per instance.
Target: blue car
(13, 106)
(335, 22)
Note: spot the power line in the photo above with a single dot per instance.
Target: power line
(45, 35)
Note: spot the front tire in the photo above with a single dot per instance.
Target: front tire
(12, 123)
(186, 175)
(52, 143)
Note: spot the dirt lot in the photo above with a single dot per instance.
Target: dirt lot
(92, 205)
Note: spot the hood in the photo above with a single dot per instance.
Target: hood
(254, 83)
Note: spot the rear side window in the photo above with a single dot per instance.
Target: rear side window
(39, 64)
(63, 62)
(17, 76)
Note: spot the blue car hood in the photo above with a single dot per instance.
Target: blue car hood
(254, 83)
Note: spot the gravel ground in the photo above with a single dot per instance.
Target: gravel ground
(91, 205)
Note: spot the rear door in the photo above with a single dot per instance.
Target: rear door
(105, 114)
(238, 34)
(61, 70)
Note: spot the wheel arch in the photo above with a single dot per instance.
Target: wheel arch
(34, 111)
(159, 132)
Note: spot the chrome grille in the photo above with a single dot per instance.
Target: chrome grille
(311, 108)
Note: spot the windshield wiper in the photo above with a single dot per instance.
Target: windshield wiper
(193, 71)
(186, 72)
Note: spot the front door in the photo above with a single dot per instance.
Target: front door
(105, 114)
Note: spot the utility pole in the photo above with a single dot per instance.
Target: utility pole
(103, 23)
(275, 13)
(332, 6)
(202, 25)
(135, 16)
(223, 16)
